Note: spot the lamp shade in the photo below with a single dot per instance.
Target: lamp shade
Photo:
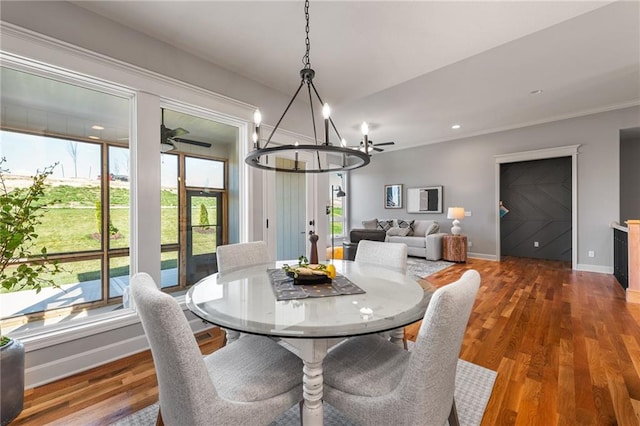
(455, 213)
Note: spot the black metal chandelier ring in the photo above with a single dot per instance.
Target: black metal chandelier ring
(351, 158)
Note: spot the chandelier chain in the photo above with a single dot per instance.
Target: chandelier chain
(305, 59)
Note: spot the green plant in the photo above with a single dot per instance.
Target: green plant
(21, 210)
(204, 216)
(112, 229)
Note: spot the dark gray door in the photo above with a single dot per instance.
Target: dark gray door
(538, 196)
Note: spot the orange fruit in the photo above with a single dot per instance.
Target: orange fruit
(331, 271)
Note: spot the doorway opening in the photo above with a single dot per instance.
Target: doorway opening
(551, 153)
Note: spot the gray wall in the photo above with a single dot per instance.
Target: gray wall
(629, 175)
(465, 168)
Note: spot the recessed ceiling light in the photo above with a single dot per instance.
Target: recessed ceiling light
(455, 126)
(93, 137)
(536, 92)
(96, 127)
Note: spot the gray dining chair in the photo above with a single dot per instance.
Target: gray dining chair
(235, 256)
(372, 381)
(392, 255)
(253, 381)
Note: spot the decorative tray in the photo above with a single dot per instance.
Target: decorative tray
(309, 279)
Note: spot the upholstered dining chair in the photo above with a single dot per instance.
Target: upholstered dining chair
(392, 255)
(372, 381)
(234, 256)
(253, 381)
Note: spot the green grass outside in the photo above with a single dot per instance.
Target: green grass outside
(71, 225)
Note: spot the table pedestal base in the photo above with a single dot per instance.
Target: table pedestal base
(312, 353)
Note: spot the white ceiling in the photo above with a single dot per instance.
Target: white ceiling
(413, 69)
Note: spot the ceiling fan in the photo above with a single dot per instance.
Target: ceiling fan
(374, 146)
(168, 137)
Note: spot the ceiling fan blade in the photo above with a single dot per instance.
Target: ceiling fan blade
(178, 131)
(192, 142)
(384, 143)
(378, 149)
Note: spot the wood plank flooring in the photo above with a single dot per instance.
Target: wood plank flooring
(565, 344)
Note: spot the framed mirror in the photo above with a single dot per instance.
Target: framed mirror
(424, 200)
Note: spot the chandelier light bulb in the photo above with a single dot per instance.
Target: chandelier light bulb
(255, 137)
(343, 142)
(364, 128)
(326, 111)
(257, 117)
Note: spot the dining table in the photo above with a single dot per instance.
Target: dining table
(309, 322)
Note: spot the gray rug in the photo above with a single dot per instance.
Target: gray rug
(474, 385)
(423, 268)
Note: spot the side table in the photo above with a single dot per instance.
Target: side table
(454, 248)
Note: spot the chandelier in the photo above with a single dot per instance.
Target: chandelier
(323, 156)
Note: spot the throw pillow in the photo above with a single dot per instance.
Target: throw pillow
(370, 224)
(385, 224)
(406, 224)
(397, 232)
(433, 228)
(425, 227)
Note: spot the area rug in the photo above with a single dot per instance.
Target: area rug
(423, 268)
(474, 385)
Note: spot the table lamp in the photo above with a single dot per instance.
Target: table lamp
(455, 213)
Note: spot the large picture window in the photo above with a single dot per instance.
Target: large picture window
(82, 128)
(83, 133)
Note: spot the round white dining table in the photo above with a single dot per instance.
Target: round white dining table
(243, 300)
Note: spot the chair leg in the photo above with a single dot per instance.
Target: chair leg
(159, 421)
(453, 415)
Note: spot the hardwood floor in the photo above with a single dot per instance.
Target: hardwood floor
(565, 344)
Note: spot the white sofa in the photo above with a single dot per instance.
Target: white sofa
(422, 237)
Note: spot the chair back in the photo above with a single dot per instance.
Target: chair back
(233, 256)
(392, 255)
(431, 374)
(184, 384)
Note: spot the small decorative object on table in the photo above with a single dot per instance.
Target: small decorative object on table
(306, 273)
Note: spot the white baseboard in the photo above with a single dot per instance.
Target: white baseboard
(483, 256)
(594, 268)
(64, 367)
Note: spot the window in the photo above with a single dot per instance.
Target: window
(83, 126)
(83, 131)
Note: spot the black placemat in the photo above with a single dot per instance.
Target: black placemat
(284, 288)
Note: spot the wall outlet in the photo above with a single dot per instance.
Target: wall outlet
(469, 244)
(536, 244)
(467, 213)
(591, 253)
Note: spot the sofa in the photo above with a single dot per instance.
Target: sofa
(422, 237)
(356, 235)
